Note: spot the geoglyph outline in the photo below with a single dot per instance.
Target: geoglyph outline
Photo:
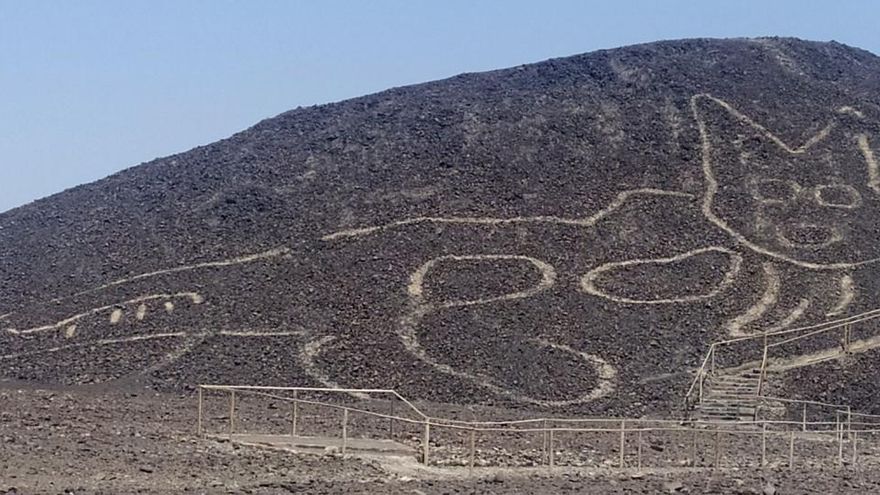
(712, 183)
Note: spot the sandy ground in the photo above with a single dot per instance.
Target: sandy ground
(138, 441)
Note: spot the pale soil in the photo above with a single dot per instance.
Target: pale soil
(110, 441)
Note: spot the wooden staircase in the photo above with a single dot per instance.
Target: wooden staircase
(732, 397)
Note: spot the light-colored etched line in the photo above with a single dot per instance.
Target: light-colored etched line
(190, 342)
(810, 359)
(194, 297)
(409, 339)
(781, 364)
(792, 317)
(845, 296)
(96, 343)
(578, 222)
(605, 373)
(272, 253)
(115, 316)
(871, 161)
(712, 182)
(768, 299)
(141, 312)
(855, 199)
(851, 111)
(835, 237)
(155, 336)
(588, 281)
(306, 358)
(269, 333)
(548, 278)
(819, 136)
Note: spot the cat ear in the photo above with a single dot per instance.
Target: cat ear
(730, 139)
(720, 121)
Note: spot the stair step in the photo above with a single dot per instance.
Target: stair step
(751, 399)
(732, 419)
(730, 400)
(743, 409)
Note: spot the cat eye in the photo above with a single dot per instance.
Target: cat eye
(837, 196)
(774, 190)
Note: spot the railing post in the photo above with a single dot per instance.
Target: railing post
(391, 422)
(473, 448)
(717, 462)
(694, 449)
(425, 440)
(640, 451)
(344, 430)
(231, 412)
(804, 420)
(702, 378)
(622, 443)
(849, 421)
(855, 442)
(199, 428)
(763, 444)
(544, 454)
(550, 446)
(294, 414)
(839, 440)
(790, 449)
(712, 359)
(762, 376)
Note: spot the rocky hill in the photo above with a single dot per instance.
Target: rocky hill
(567, 235)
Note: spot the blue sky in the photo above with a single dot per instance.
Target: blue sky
(88, 88)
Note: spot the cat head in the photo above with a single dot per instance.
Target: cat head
(815, 204)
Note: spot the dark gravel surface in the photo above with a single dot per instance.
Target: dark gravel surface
(146, 276)
(136, 441)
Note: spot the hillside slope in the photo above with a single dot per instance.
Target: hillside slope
(570, 234)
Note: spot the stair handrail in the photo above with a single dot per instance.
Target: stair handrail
(844, 323)
(818, 328)
(697, 383)
(810, 334)
(762, 375)
(849, 320)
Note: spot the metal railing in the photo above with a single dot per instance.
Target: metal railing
(621, 441)
(770, 341)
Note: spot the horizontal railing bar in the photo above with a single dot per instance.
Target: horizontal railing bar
(799, 401)
(301, 389)
(332, 406)
(861, 317)
(477, 426)
(863, 415)
(630, 424)
(317, 389)
(558, 420)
